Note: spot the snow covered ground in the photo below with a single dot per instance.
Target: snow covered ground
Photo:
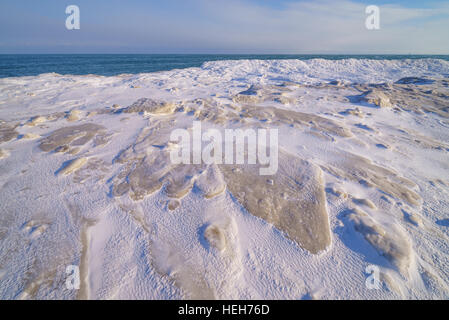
(363, 182)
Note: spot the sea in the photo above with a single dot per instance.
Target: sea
(17, 65)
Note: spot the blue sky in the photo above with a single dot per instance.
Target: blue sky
(232, 26)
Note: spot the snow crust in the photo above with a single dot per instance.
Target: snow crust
(85, 180)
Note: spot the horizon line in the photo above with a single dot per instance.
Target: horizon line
(236, 54)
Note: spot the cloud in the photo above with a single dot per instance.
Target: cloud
(237, 26)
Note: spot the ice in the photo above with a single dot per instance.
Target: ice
(377, 98)
(211, 182)
(362, 170)
(293, 199)
(150, 106)
(393, 244)
(30, 136)
(74, 115)
(36, 120)
(214, 235)
(7, 131)
(4, 153)
(73, 136)
(86, 180)
(72, 166)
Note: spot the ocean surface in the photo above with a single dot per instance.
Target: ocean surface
(16, 65)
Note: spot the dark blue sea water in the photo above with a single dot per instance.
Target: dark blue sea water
(15, 65)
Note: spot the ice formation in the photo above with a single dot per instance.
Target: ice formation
(86, 180)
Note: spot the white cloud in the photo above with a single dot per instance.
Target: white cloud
(238, 26)
(312, 26)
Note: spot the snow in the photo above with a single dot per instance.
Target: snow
(363, 180)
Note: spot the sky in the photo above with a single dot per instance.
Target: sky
(231, 26)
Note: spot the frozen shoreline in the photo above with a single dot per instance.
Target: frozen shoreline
(79, 185)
